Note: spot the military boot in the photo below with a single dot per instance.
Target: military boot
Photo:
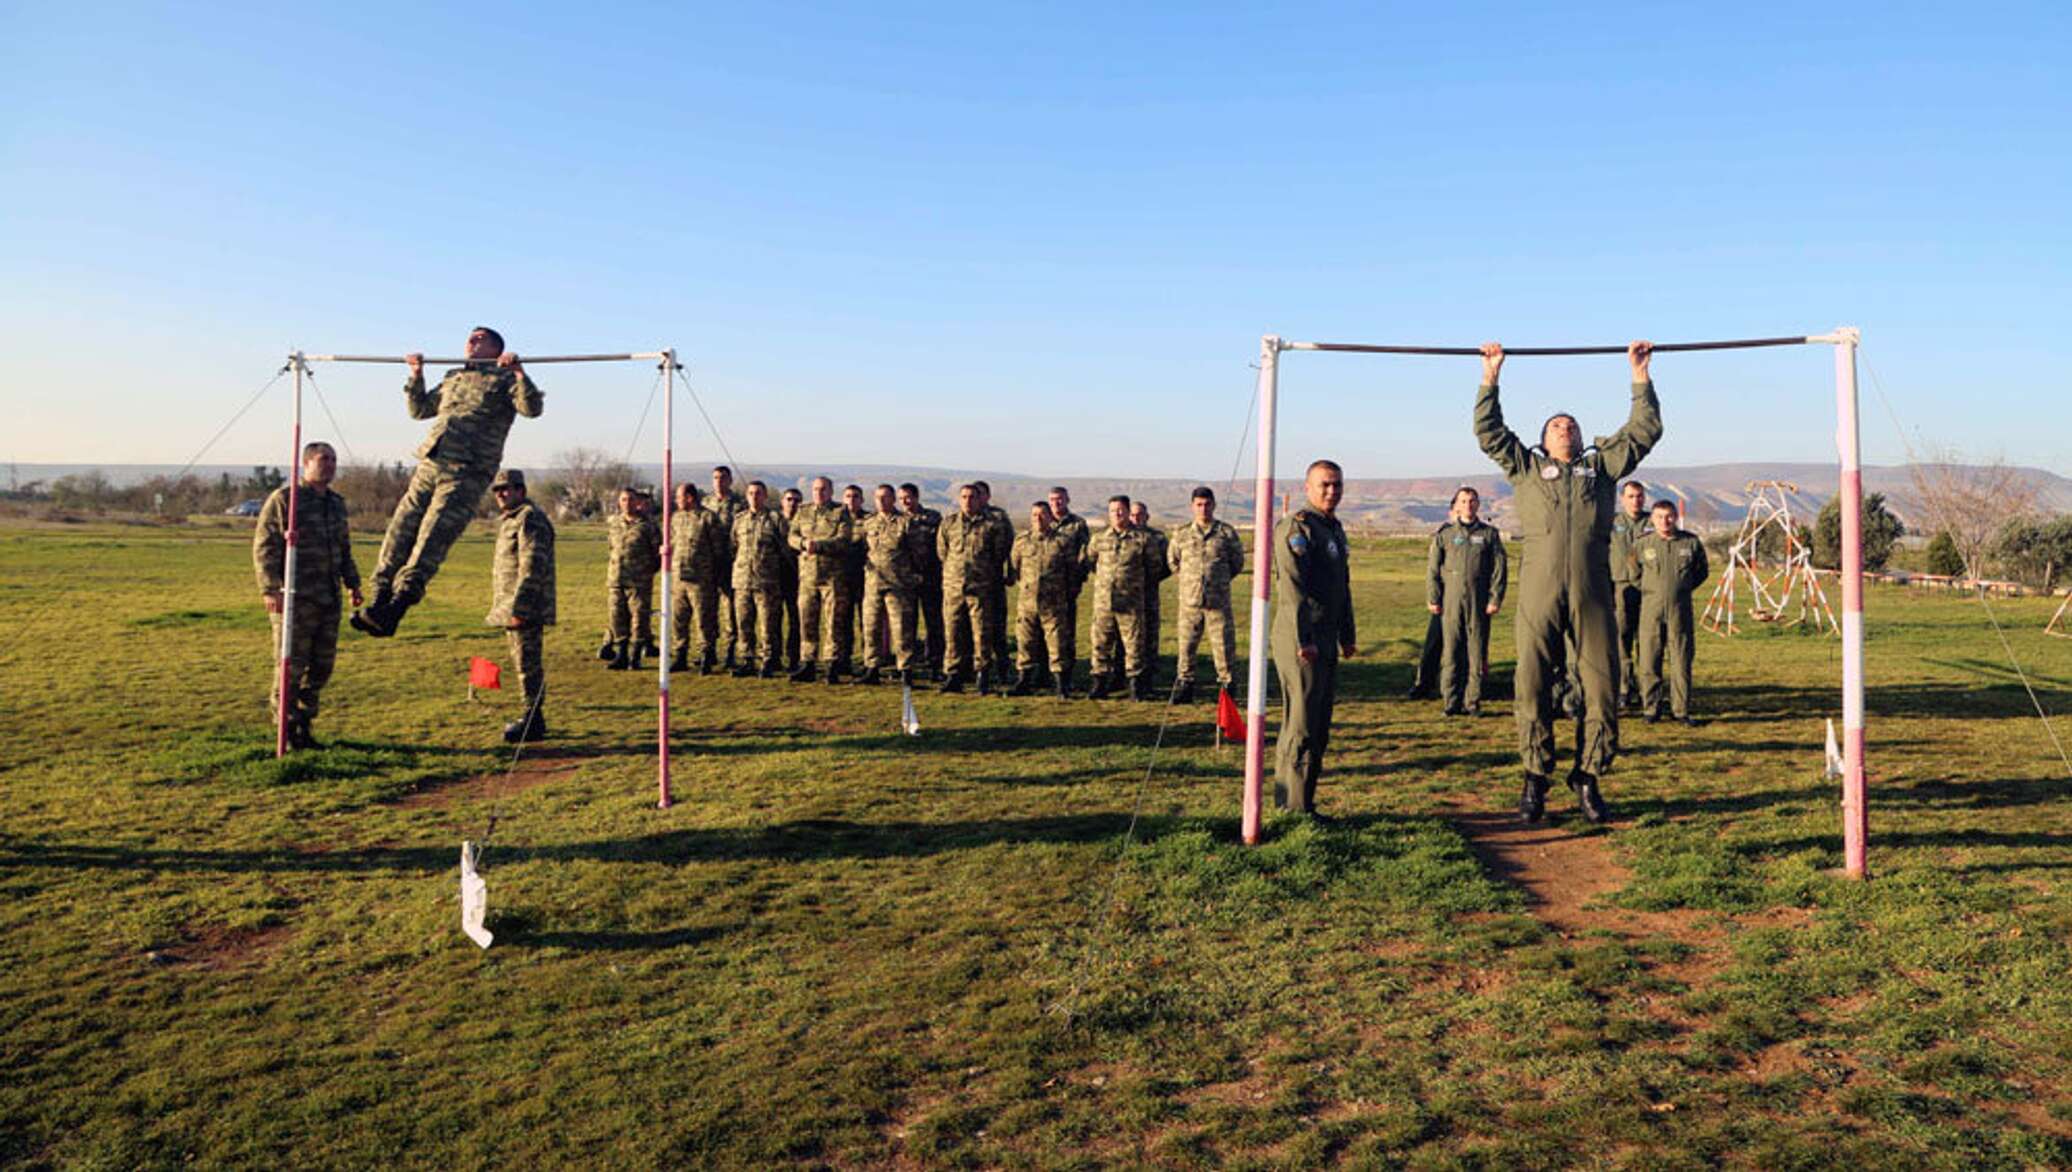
(648, 648)
(953, 682)
(620, 660)
(681, 661)
(298, 732)
(985, 681)
(871, 677)
(1063, 680)
(533, 727)
(1024, 683)
(607, 649)
(1532, 803)
(768, 672)
(1140, 687)
(1098, 690)
(1184, 694)
(708, 665)
(1588, 800)
(639, 653)
(804, 674)
(364, 619)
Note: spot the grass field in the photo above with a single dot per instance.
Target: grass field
(848, 947)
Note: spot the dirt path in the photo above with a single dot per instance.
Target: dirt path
(532, 769)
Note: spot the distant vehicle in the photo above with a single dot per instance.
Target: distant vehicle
(244, 509)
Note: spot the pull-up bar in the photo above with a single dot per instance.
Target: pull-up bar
(528, 359)
(1552, 351)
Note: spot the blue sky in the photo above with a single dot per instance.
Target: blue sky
(1038, 238)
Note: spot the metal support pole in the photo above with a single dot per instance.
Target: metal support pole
(667, 633)
(281, 680)
(1855, 820)
(1262, 592)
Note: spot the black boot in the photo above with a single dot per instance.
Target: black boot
(608, 649)
(953, 682)
(870, 678)
(1140, 688)
(639, 651)
(835, 672)
(803, 674)
(620, 661)
(768, 672)
(708, 665)
(1588, 800)
(366, 619)
(1024, 683)
(1185, 695)
(1063, 680)
(681, 661)
(532, 728)
(1099, 689)
(648, 648)
(985, 681)
(1532, 803)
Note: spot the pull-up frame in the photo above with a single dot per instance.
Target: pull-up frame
(1847, 443)
(299, 363)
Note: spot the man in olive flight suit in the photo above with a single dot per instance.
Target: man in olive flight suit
(522, 602)
(821, 534)
(1312, 629)
(635, 542)
(927, 523)
(891, 541)
(698, 550)
(1672, 565)
(1629, 524)
(1563, 492)
(1465, 573)
(1045, 564)
(966, 546)
(1205, 555)
(474, 405)
(323, 560)
(1158, 549)
(1118, 558)
(762, 551)
(726, 504)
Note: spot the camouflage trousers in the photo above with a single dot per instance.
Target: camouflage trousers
(525, 645)
(1110, 628)
(760, 611)
(632, 609)
(696, 606)
(889, 614)
(1222, 633)
(967, 619)
(930, 603)
(728, 633)
(1041, 628)
(1149, 620)
(311, 655)
(435, 509)
(824, 621)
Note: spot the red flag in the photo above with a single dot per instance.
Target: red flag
(484, 673)
(1228, 718)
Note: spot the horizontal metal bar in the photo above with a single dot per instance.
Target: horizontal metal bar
(528, 359)
(1549, 351)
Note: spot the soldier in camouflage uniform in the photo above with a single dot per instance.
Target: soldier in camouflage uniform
(761, 545)
(1205, 556)
(1671, 563)
(789, 614)
(927, 523)
(892, 588)
(1312, 629)
(1563, 492)
(474, 406)
(854, 562)
(1465, 574)
(1003, 544)
(1119, 561)
(523, 599)
(323, 559)
(635, 542)
(1046, 565)
(1629, 524)
(726, 504)
(1072, 529)
(821, 535)
(698, 549)
(1157, 569)
(968, 549)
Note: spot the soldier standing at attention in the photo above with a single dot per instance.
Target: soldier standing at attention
(891, 589)
(927, 523)
(629, 580)
(821, 535)
(726, 504)
(1312, 629)
(1045, 564)
(699, 551)
(789, 613)
(853, 572)
(1159, 548)
(1465, 575)
(966, 546)
(1564, 498)
(1119, 559)
(523, 599)
(1672, 564)
(323, 559)
(1205, 556)
(761, 552)
(1002, 535)
(1629, 524)
(474, 406)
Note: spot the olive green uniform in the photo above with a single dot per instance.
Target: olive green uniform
(788, 610)
(761, 548)
(1626, 595)
(1071, 529)
(854, 561)
(1045, 567)
(1001, 533)
(524, 590)
(1205, 558)
(1671, 568)
(1465, 574)
(323, 560)
(725, 507)
(928, 596)
(1313, 608)
(699, 549)
(823, 594)
(891, 589)
(629, 575)
(1565, 513)
(1158, 548)
(965, 544)
(1119, 561)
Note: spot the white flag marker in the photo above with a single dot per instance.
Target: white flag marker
(1834, 766)
(474, 897)
(908, 718)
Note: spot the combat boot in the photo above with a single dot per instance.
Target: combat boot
(985, 681)
(1532, 803)
(871, 677)
(803, 674)
(532, 728)
(1185, 693)
(1140, 688)
(1063, 680)
(708, 665)
(768, 672)
(607, 649)
(1588, 800)
(620, 661)
(639, 652)
(648, 648)
(681, 661)
(1098, 690)
(1024, 683)
(363, 619)
(835, 672)
(953, 682)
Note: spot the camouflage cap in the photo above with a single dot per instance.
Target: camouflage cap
(510, 476)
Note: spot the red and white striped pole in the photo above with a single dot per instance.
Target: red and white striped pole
(1848, 441)
(1262, 592)
(280, 716)
(667, 634)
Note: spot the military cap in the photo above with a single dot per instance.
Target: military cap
(510, 476)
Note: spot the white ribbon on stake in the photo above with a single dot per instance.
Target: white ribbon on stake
(909, 720)
(474, 897)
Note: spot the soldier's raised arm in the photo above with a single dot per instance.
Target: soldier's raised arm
(526, 395)
(1498, 442)
(1622, 451)
(421, 404)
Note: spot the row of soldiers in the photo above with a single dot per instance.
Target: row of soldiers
(762, 590)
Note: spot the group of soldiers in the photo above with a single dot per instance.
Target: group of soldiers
(1604, 598)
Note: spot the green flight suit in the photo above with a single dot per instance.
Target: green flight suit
(1565, 514)
(1670, 569)
(1465, 574)
(1626, 594)
(1313, 607)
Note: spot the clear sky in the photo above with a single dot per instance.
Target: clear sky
(1041, 238)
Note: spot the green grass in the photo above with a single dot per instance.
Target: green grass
(848, 947)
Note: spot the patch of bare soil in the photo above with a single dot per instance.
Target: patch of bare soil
(214, 947)
(532, 770)
(1563, 865)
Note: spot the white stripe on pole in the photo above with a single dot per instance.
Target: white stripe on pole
(1262, 592)
(667, 635)
(1848, 442)
(288, 562)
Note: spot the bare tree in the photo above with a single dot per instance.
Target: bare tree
(586, 481)
(1970, 502)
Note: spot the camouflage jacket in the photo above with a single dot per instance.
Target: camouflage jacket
(698, 546)
(828, 527)
(1205, 560)
(1158, 549)
(760, 548)
(1467, 561)
(893, 542)
(1000, 533)
(636, 549)
(726, 508)
(474, 406)
(1625, 531)
(323, 546)
(1072, 528)
(927, 523)
(1120, 562)
(970, 557)
(524, 574)
(1046, 566)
